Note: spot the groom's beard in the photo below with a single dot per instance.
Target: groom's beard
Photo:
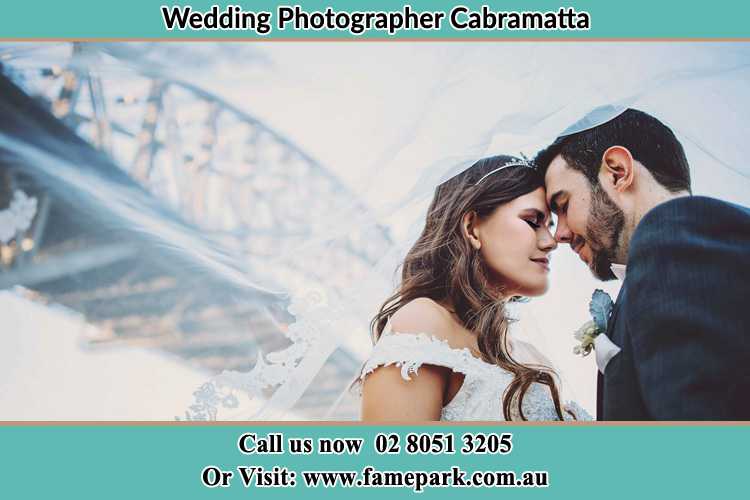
(603, 229)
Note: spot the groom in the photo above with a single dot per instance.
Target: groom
(621, 191)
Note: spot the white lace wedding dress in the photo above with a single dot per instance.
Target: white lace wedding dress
(480, 396)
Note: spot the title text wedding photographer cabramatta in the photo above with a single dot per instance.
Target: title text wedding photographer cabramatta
(460, 17)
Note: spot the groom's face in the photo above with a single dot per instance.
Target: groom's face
(587, 218)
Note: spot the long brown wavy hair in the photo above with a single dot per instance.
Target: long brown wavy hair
(443, 266)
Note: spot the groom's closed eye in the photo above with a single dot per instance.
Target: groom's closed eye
(559, 209)
(554, 202)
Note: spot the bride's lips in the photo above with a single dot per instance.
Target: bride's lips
(544, 262)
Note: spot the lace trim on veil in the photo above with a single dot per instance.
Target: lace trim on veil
(285, 373)
(17, 217)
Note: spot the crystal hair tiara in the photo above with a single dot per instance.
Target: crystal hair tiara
(512, 163)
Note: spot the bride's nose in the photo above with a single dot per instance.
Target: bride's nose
(546, 241)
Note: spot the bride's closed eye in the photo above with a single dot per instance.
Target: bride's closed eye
(534, 219)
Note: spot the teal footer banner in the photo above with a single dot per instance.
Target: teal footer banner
(286, 461)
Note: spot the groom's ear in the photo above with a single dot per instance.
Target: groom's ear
(617, 168)
(469, 226)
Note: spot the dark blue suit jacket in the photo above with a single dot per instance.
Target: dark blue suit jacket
(682, 318)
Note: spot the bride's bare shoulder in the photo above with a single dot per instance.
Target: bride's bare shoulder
(424, 315)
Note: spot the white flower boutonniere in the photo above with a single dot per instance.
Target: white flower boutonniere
(600, 308)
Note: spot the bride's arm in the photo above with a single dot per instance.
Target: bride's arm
(386, 395)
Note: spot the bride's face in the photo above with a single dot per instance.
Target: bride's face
(515, 243)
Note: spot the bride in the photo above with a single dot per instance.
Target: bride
(443, 351)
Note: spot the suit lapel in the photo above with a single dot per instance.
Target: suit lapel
(611, 330)
(611, 334)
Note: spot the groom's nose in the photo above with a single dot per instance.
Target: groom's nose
(563, 233)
